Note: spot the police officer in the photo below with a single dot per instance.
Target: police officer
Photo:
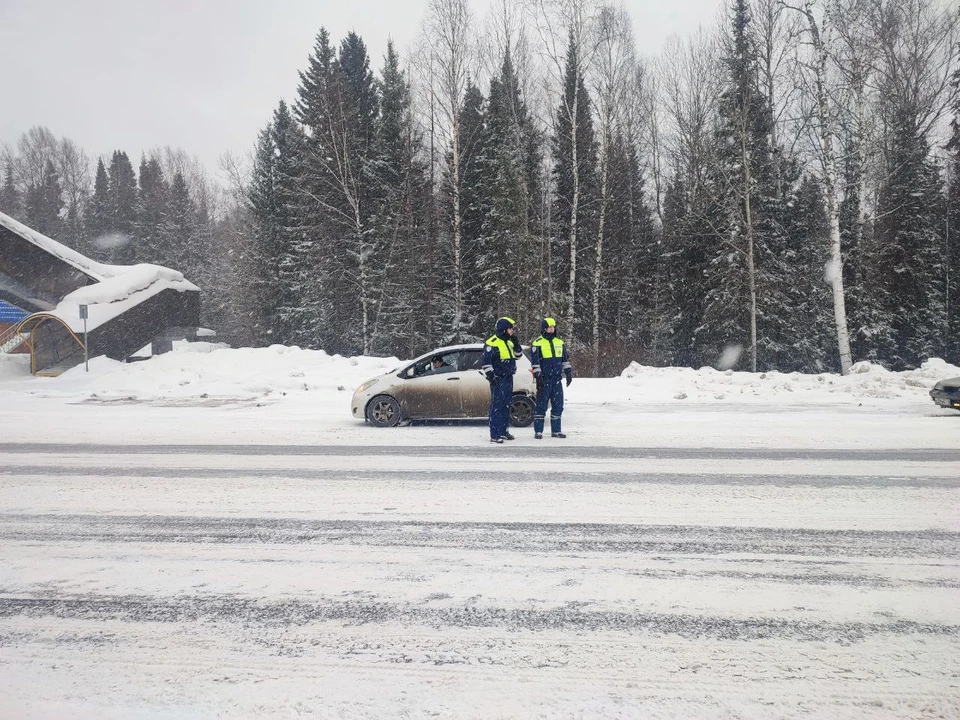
(500, 354)
(550, 364)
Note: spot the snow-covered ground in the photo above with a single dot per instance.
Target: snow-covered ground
(210, 534)
(205, 393)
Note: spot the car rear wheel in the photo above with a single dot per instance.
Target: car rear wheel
(383, 411)
(521, 411)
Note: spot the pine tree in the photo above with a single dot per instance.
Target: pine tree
(499, 198)
(633, 294)
(809, 304)
(97, 215)
(295, 321)
(575, 194)
(688, 230)
(9, 195)
(403, 319)
(508, 270)
(867, 303)
(952, 232)
(155, 242)
(316, 111)
(745, 298)
(44, 204)
(122, 207)
(338, 105)
(910, 244)
(783, 260)
(207, 265)
(475, 196)
(73, 230)
(265, 250)
(279, 250)
(179, 231)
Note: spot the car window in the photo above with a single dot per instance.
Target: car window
(470, 360)
(436, 364)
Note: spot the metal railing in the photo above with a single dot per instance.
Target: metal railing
(10, 339)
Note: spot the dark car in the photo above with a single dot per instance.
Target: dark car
(946, 393)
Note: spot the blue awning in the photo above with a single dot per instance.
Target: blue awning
(11, 313)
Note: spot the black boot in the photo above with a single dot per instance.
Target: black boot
(559, 435)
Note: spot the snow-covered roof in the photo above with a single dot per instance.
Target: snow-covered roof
(118, 287)
(96, 270)
(115, 295)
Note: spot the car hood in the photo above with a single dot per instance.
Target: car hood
(949, 382)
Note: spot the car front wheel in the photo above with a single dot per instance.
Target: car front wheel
(521, 411)
(383, 411)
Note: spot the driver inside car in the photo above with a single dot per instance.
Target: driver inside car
(437, 365)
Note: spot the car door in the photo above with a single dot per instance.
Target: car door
(474, 388)
(426, 392)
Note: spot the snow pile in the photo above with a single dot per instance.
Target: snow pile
(865, 381)
(14, 367)
(208, 373)
(117, 294)
(211, 373)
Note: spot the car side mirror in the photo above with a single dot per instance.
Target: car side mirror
(410, 372)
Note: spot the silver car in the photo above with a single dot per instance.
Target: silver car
(446, 383)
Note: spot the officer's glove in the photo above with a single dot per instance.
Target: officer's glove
(536, 374)
(569, 379)
(490, 376)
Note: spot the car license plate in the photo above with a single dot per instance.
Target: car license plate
(944, 402)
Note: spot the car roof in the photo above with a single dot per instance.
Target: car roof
(450, 348)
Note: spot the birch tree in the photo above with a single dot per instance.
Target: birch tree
(564, 30)
(826, 132)
(612, 73)
(448, 29)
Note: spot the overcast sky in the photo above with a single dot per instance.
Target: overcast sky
(203, 75)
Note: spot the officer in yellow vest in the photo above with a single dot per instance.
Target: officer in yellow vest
(500, 354)
(550, 363)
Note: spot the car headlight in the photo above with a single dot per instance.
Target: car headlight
(367, 385)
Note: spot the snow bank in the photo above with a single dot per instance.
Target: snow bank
(14, 367)
(115, 295)
(208, 372)
(865, 381)
(211, 372)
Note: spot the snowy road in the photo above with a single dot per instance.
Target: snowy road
(238, 581)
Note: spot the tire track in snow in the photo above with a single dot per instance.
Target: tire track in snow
(786, 480)
(571, 617)
(512, 450)
(493, 536)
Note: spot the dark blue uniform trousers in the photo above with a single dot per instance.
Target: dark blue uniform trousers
(501, 397)
(549, 390)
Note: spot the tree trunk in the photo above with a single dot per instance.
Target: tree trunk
(835, 272)
(364, 281)
(457, 234)
(574, 213)
(748, 218)
(598, 267)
